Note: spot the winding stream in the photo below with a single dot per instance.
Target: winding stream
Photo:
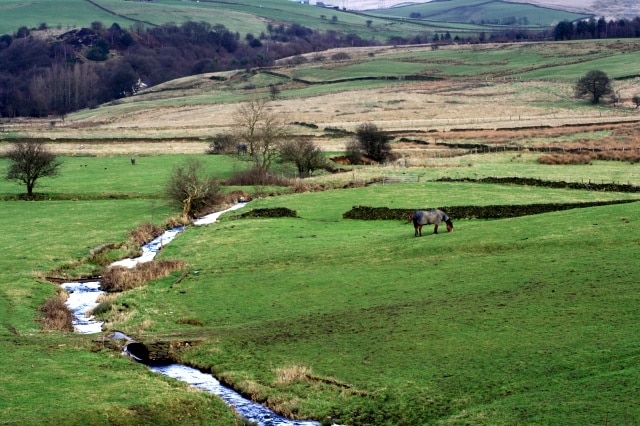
(83, 297)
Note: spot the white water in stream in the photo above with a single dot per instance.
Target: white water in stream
(83, 297)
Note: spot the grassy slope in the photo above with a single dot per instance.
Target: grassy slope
(315, 294)
(465, 11)
(250, 17)
(496, 322)
(519, 314)
(242, 16)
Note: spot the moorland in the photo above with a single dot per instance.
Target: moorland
(513, 320)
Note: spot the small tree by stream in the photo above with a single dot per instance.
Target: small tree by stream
(189, 187)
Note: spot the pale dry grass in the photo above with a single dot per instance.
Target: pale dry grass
(119, 278)
(291, 374)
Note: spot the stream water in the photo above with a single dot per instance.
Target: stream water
(83, 297)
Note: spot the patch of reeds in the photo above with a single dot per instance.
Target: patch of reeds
(632, 156)
(557, 159)
(190, 321)
(119, 278)
(56, 316)
(257, 176)
(144, 233)
(292, 374)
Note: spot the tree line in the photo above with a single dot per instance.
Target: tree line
(86, 67)
(83, 68)
(597, 29)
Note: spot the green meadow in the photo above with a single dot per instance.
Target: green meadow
(530, 320)
(480, 11)
(245, 16)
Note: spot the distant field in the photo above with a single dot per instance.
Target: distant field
(250, 17)
(481, 11)
(413, 91)
(243, 16)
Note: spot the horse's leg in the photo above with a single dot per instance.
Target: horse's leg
(420, 229)
(435, 228)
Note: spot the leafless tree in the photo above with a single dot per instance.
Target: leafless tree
(189, 187)
(261, 130)
(31, 161)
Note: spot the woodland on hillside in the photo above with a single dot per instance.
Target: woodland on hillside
(83, 68)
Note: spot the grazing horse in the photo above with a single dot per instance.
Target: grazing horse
(428, 217)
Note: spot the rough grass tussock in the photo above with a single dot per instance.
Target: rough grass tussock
(292, 374)
(144, 233)
(119, 278)
(55, 314)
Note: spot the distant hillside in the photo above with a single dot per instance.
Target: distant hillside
(610, 9)
(492, 13)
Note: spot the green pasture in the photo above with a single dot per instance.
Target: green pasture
(481, 11)
(115, 177)
(66, 14)
(558, 65)
(528, 320)
(510, 321)
(241, 16)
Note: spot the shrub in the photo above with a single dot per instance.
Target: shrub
(222, 143)
(144, 233)
(374, 143)
(340, 56)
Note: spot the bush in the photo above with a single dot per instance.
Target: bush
(222, 143)
(340, 56)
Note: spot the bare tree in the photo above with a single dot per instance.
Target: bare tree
(306, 155)
(190, 188)
(261, 130)
(31, 161)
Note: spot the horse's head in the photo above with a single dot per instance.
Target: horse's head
(410, 218)
(449, 225)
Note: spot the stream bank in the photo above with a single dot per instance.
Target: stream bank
(83, 298)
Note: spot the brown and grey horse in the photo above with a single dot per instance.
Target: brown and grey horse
(428, 217)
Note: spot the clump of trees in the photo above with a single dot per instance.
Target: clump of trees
(370, 142)
(597, 29)
(304, 154)
(30, 161)
(595, 85)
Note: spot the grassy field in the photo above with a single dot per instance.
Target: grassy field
(241, 16)
(529, 320)
(339, 320)
(480, 11)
